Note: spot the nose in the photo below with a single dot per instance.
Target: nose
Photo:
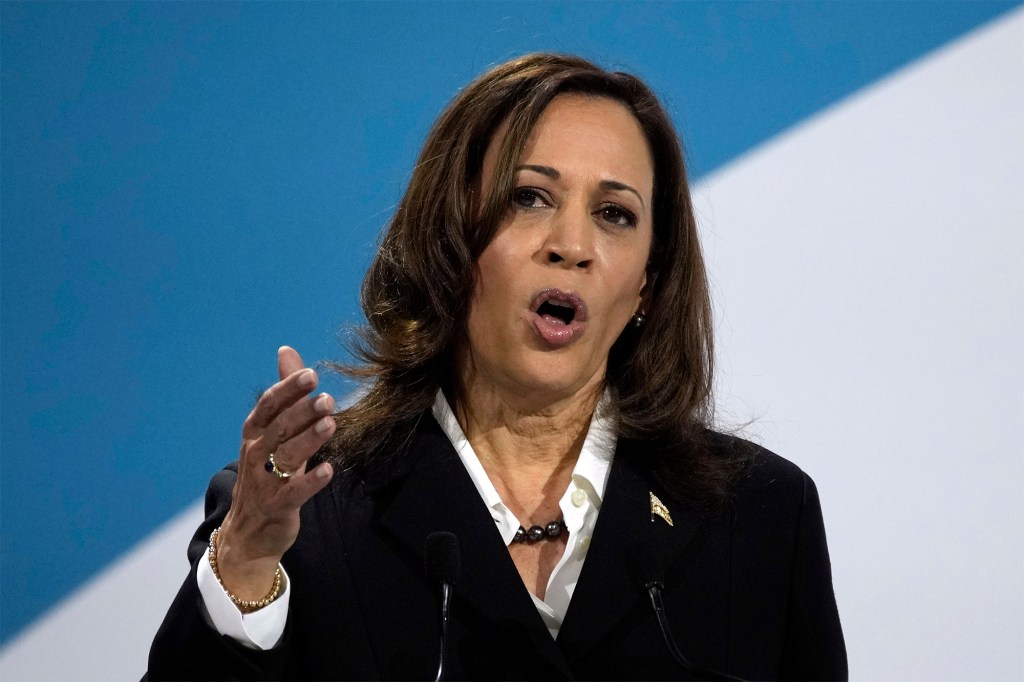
(570, 241)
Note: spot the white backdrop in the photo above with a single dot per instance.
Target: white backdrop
(869, 279)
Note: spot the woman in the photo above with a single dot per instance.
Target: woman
(538, 356)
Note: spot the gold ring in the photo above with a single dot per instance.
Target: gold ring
(271, 468)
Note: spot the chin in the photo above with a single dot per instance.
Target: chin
(552, 379)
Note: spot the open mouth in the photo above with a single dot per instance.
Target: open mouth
(559, 306)
(560, 316)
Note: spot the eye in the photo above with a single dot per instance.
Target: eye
(528, 197)
(618, 216)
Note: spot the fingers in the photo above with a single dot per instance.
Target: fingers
(304, 416)
(299, 490)
(295, 382)
(277, 399)
(285, 422)
(299, 432)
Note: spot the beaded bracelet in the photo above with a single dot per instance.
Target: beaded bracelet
(245, 605)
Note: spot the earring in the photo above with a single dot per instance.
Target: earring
(638, 319)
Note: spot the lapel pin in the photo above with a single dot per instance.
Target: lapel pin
(659, 509)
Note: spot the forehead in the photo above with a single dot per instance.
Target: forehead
(588, 116)
(588, 134)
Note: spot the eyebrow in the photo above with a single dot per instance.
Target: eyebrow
(605, 184)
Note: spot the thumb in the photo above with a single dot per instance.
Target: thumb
(288, 362)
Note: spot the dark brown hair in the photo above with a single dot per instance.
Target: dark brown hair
(417, 291)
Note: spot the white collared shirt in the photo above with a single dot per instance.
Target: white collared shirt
(579, 505)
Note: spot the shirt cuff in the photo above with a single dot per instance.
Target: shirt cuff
(260, 629)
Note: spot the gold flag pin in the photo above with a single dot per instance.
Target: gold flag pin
(659, 509)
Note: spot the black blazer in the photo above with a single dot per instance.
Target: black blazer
(748, 590)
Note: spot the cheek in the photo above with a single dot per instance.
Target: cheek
(629, 298)
(494, 284)
(632, 284)
(497, 266)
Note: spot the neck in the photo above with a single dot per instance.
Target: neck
(528, 447)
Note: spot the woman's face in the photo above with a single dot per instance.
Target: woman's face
(566, 268)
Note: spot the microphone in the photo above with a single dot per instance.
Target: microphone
(646, 569)
(443, 567)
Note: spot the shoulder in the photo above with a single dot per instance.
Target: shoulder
(773, 514)
(767, 482)
(777, 547)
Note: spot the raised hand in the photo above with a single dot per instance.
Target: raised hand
(263, 521)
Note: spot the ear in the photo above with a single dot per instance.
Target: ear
(646, 289)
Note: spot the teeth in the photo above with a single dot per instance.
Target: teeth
(557, 311)
(559, 304)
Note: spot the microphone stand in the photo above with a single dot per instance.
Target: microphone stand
(446, 601)
(441, 552)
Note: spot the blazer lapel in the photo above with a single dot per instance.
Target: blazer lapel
(606, 590)
(432, 491)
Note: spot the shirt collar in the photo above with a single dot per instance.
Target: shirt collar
(450, 425)
(595, 461)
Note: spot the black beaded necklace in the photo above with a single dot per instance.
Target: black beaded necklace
(552, 531)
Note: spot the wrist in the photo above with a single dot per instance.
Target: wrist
(250, 584)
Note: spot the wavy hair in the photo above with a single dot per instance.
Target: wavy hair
(417, 291)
